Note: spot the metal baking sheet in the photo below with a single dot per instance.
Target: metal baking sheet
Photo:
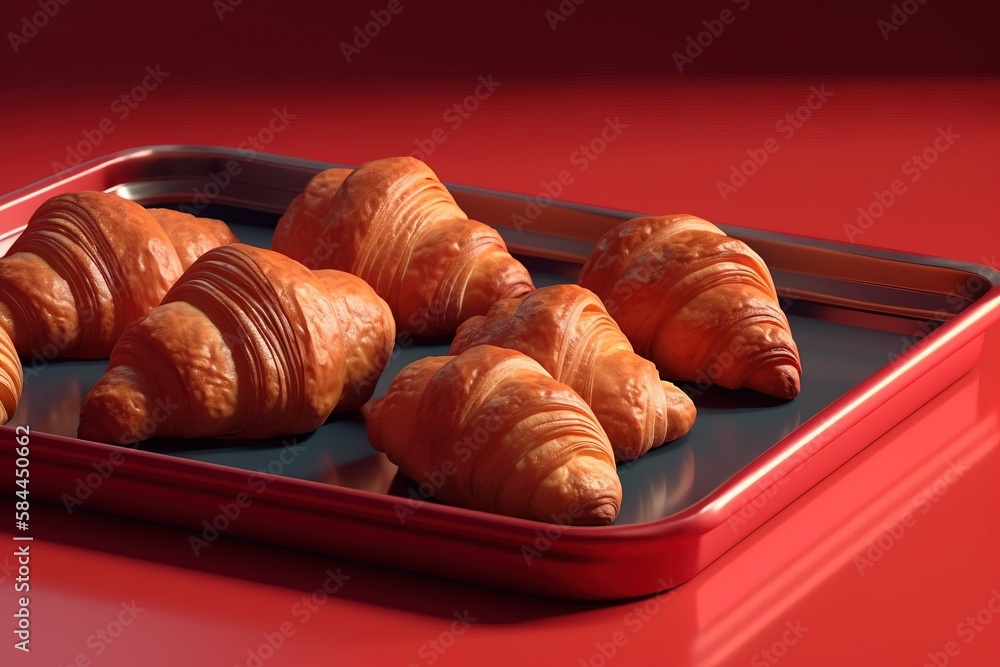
(879, 333)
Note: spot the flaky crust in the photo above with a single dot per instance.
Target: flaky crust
(249, 343)
(86, 265)
(302, 224)
(567, 330)
(395, 225)
(190, 235)
(490, 429)
(698, 303)
(11, 378)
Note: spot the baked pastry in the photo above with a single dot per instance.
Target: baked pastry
(248, 343)
(192, 236)
(700, 304)
(490, 429)
(302, 224)
(86, 265)
(394, 224)
(11, 378)
(566, 329)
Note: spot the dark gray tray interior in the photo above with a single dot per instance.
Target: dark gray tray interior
(733, 427)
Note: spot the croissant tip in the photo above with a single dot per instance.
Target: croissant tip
(681, 411)
(123, 408)
(679, 422)
(599, 513)
(779, 381)
(95, 431)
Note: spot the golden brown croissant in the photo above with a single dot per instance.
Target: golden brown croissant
(11, 378)
(701, 305)
(566, 329)
(302, 224)
(394, 224)
(248, 343)
(490, 429)
(86, 265)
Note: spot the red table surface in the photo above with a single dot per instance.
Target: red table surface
(891, 560)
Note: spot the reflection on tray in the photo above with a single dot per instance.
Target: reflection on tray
(310, 456)
(51, 407)
(53, 392)
(374, 473)
(664, 495)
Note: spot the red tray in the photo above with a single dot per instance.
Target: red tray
(881, 332)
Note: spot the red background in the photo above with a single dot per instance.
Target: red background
(685, 132)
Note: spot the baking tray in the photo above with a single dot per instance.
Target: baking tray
(879, 332)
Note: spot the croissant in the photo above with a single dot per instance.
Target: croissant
(248, 343)
(11, 378)
(86, 265)
(298, 229)
(490, 429)
(394, 224)
(700, 304)
(566, 329)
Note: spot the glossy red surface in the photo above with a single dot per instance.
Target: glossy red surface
(893, 559)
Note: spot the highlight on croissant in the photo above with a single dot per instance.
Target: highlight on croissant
(542, 392)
